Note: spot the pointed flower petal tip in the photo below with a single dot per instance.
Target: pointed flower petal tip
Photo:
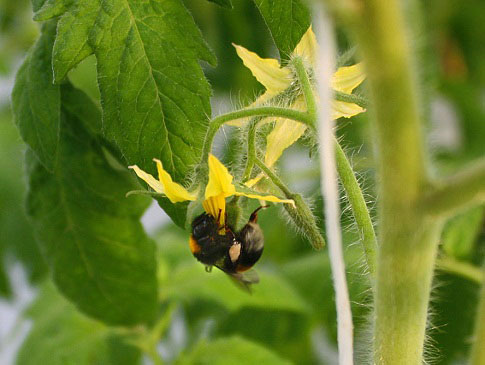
(266, 70)
(220, 180)
(308, 46)
(347, 78)
(164, 185)
(268, 198)
(149, 179)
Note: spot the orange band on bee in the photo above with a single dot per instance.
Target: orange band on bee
(242, 268)
(194, 246)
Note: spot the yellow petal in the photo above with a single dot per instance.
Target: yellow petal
(266, 70)
(307, 47)
(220, 180)
(268, 198)
(346, 79)
(254, 181)
(346, 110)
(216, 207)
(174, 192)
(149, 179)
(285, 133)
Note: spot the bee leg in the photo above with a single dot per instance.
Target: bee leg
(254, 215)
(208, 268)
(219, 217)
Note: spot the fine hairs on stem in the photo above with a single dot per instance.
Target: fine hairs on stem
(324, 72)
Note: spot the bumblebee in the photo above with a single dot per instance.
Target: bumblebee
(235, 253)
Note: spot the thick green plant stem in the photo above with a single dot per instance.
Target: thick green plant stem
(478, 349)
(458, 191)
(359, 209)
(407, 239)
(263, 111)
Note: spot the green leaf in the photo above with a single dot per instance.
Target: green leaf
(5, 288)
(287, 21)
(231, 350)
(38, 4)
(282, 331)
(191, 283)
(90, 233)
(461, 233)
(50, 9)
(154, 95)
(36, 100)
(224, 3)
(71, 45)
(61, 335)
(77, 103)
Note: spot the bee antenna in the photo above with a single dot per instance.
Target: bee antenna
(254, 215)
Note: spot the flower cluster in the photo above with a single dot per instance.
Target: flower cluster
(219, 187)
(277, 79)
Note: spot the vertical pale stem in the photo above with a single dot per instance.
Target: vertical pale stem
(478, 349)
(324, 72)
(407, 240)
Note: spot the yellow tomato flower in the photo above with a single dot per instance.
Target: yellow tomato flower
(218, 188)
(276, 79)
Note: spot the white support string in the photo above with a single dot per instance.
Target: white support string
(324, 72)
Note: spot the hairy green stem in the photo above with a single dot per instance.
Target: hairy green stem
(351, 98)
(347, 176)
(300, 213)
(274, 178)
(407, 239)
(458, 191)
(251, 150)
(359, 209)
(478, 349)
(345, 57)
(263, 111)
(306, 87)
(463, 269)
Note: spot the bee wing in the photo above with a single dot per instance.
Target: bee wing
(244, 280)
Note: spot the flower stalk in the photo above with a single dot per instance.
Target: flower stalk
(300, 213)
(359, 209)
(262, 111)
(351, 98)
(251, 151)
(306, 87)
(347, 177)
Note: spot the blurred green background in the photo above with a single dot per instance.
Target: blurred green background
(290, 316)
